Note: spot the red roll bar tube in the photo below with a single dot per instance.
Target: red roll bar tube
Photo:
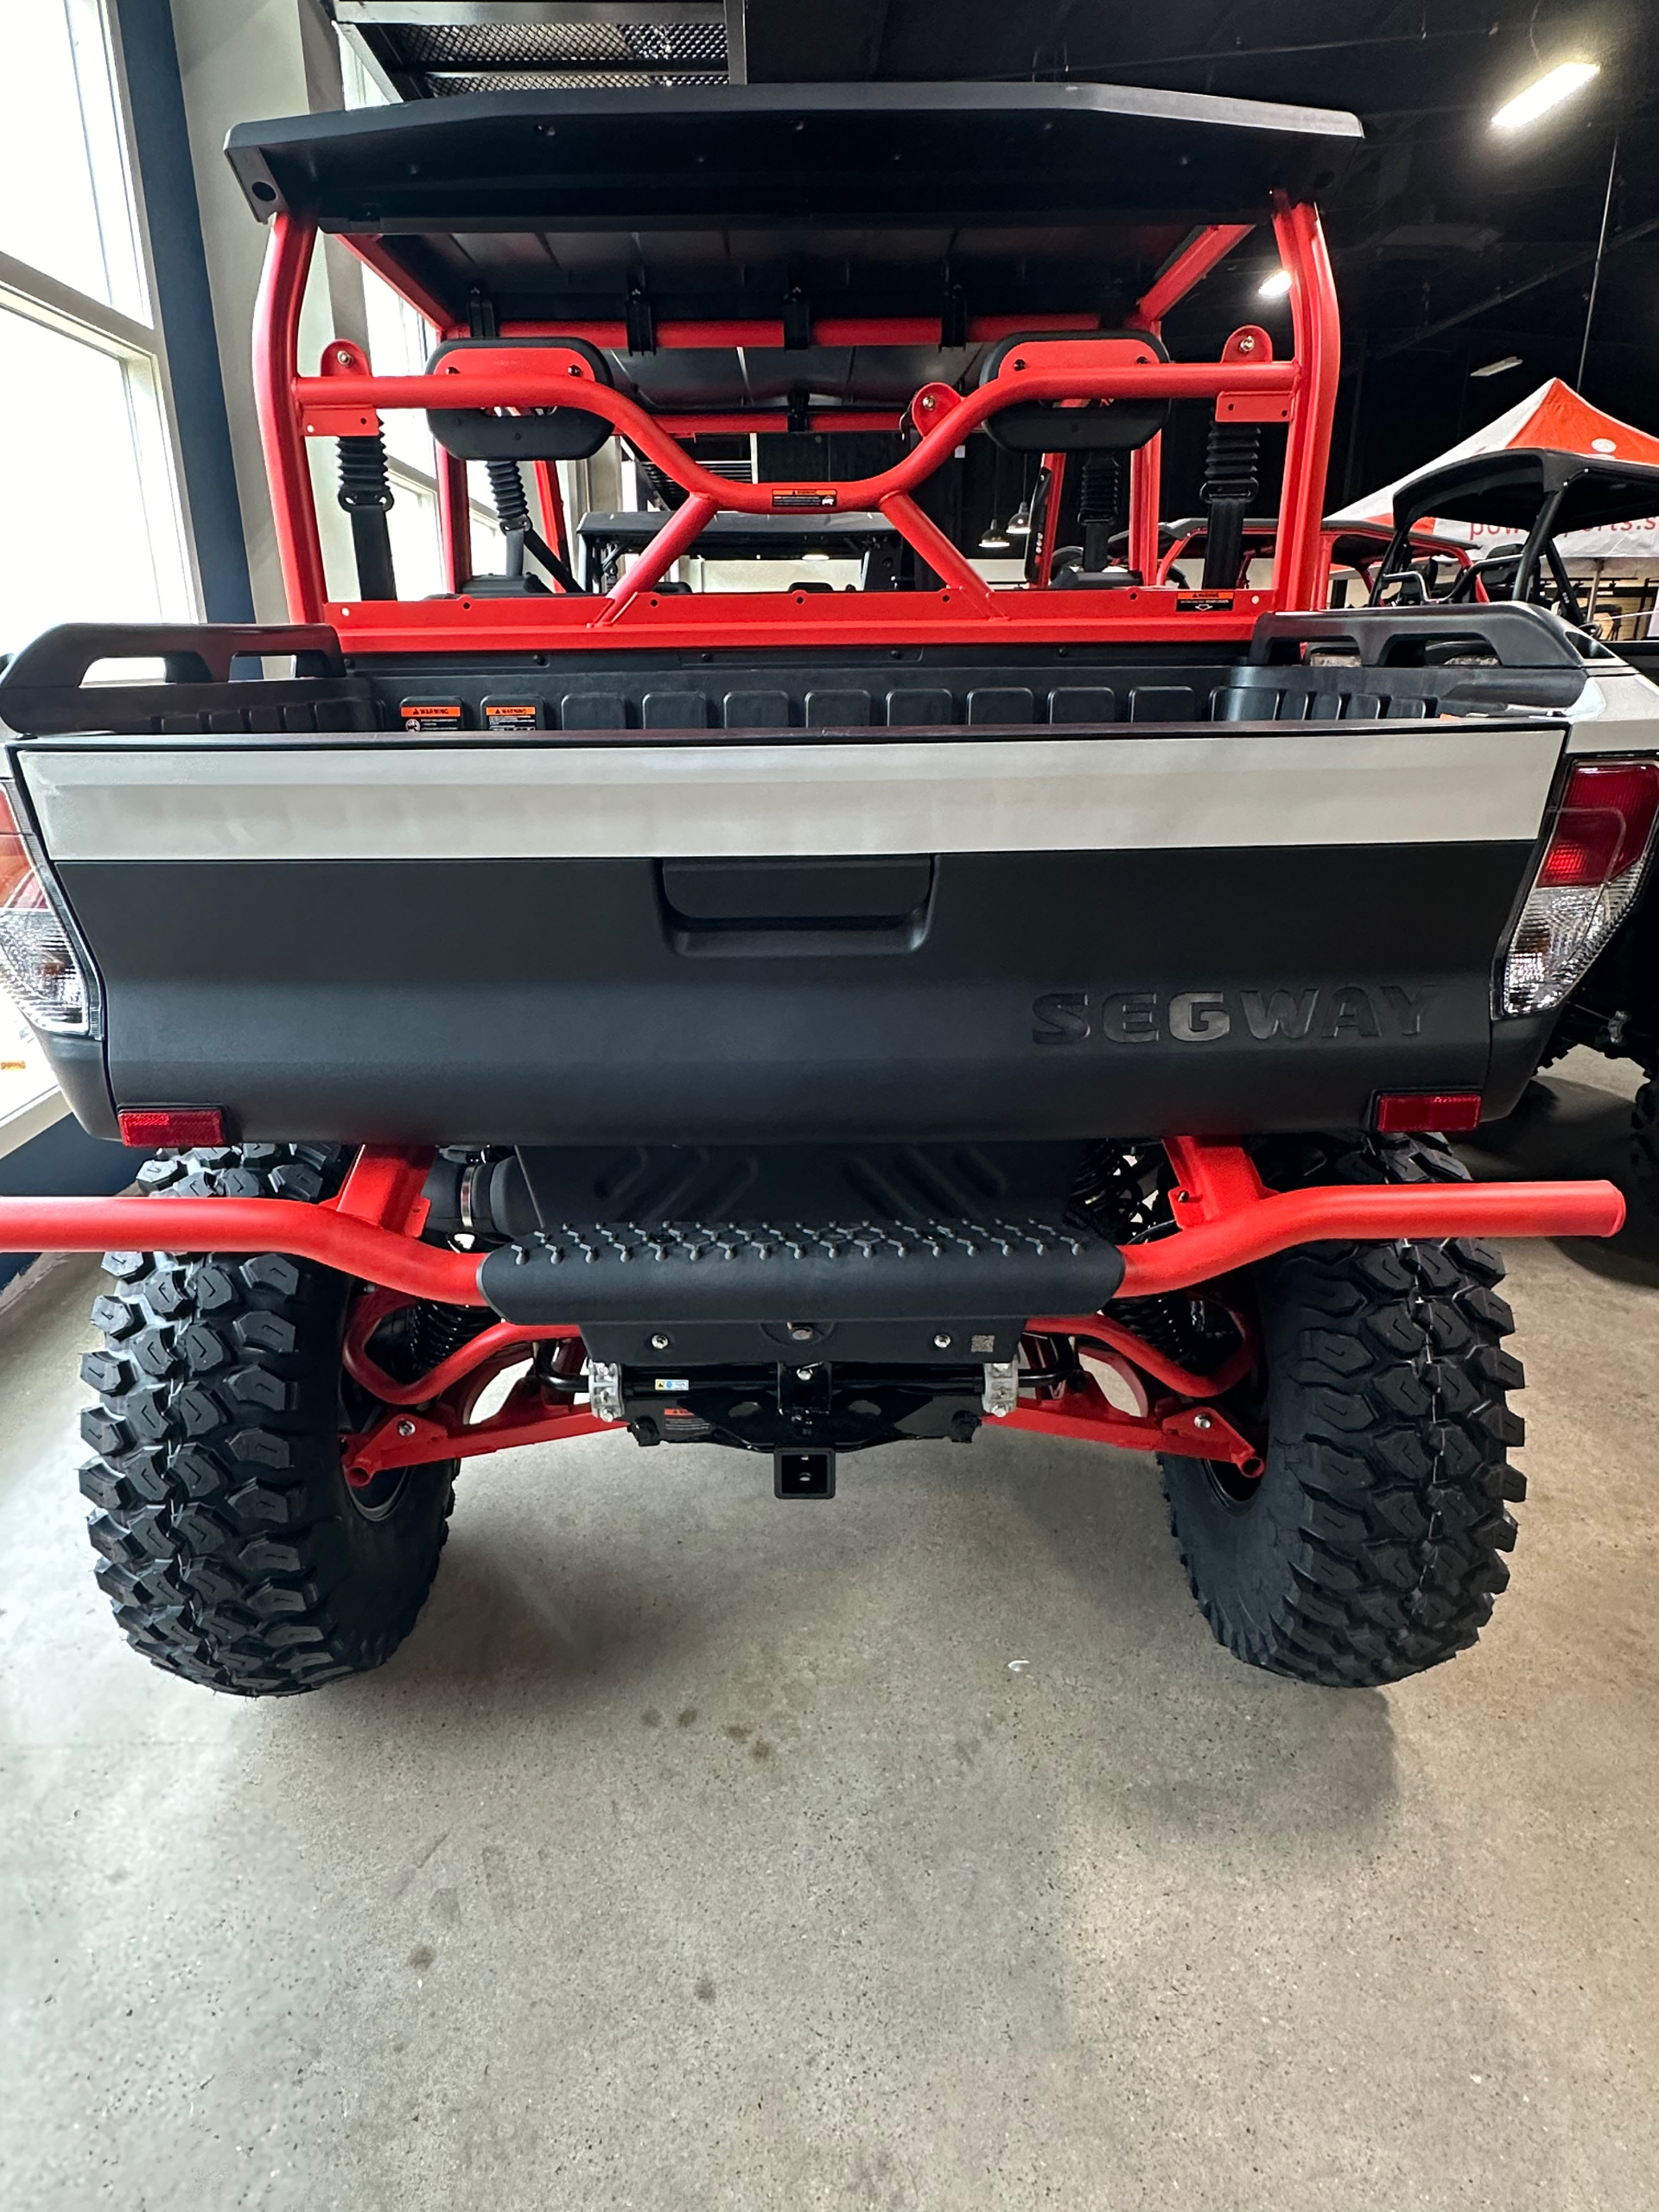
(1050, 369)
(276, 350)
(1298, 571)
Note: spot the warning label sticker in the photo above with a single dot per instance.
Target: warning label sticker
(1204, 602)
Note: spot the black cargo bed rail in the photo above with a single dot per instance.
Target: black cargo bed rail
(44, 692)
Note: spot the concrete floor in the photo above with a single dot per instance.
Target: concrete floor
(920, 1851)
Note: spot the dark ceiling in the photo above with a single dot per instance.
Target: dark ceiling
(1455, 245)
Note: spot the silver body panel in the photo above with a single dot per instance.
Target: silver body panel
(140, 799)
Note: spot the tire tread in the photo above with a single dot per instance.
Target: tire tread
(218, 1516)
(1394, 1518)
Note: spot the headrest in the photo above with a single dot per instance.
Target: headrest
(547, 434)
(1045, 426)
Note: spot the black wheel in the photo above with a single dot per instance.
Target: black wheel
(234, 1550)
(1642, 1183)
(1371, 1547)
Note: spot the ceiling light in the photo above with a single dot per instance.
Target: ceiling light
(1020, 520)
(815, 556)
(993, 541)
(1277, 285)
(1496, 368)
(1554, 87)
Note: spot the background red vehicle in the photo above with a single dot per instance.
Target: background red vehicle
(806, 1020)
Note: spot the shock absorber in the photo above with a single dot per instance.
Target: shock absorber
(1100, 507)
(512, 512)
(512, 507)
(1231, 460)
(366, 494)
(436, 1331)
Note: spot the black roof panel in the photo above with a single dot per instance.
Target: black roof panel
(1510, 487)
(717, 198)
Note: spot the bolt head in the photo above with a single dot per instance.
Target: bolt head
(801, 1332)
(942, 1341)
(659, 1342)
(405, 1429)
(1247, 345)
(1203, 1423)
(805, 1374)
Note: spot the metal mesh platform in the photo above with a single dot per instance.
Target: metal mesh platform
(528, 47)
(449, 86)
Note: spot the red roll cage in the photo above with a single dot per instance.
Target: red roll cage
(1246, 384)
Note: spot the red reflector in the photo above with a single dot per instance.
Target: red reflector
(152, 1125)
(1605, 821)
(1398, 1111)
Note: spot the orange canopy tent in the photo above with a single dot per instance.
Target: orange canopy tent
(1554, 415)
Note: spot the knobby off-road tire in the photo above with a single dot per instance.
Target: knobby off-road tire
(1643, 1176)
(233, 1551)
(1371, 1547)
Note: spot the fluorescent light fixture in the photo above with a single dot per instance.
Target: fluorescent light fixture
(1496, 368)
(815, 556)
(1277, 285)
(1555, 86)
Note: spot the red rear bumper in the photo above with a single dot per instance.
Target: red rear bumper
(1228, 1220)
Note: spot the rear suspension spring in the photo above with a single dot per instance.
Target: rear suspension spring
(507, 490)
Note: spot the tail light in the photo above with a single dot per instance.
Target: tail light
(42, 970)
(1586, 883)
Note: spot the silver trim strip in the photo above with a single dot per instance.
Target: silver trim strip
(503, 15)
(1420, 785)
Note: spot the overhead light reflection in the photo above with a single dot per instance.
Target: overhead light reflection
(1555, 86)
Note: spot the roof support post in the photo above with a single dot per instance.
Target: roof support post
(1298, 580)
(454, 521)
(276, 362)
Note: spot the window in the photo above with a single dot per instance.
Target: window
(94, 527)
(66, 196)
(93, 530)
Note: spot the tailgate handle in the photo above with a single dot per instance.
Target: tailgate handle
(852, 904)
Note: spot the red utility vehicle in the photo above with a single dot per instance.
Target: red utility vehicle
(807, 1019)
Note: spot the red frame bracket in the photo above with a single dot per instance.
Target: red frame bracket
(342, 357)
